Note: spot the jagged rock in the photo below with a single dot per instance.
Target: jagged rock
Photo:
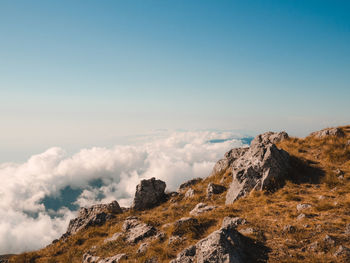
(337, 132)
(233, 222)
(262, 167)
(223, 245)
(342, 251)
(92, 216)
(143, 248)
(189, 193)
(149, 193)
(201, 208)
(301, 207)
(190, 183)
(135, 230)
(87, 258)
(222, 165)
(301, 216)
(348, 143)
(214, 189)
(113, 238)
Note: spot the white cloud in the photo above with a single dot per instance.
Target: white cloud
(25, 223)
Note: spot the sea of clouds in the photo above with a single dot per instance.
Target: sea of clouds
(28, 223)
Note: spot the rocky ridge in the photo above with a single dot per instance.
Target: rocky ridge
(262, 167)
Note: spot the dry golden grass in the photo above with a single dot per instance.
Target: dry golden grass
(312, 180)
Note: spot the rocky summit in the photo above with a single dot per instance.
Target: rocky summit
(261, 167)
(280, 199)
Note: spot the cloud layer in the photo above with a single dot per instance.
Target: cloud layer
(100, 175)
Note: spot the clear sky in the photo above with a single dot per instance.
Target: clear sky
(81, 73)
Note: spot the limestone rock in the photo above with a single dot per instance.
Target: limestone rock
(301, 217)
(88, 258)
(149, 193)
(301, 207)
(190, 183)
(233, 222)
(221, 246)
(113, 238)
(143, 248)
(189, 193)
(92, 216)
(136, 231)
(262, 167)
(337, 132)
(222, 165)
(201, 208)
(214, 189)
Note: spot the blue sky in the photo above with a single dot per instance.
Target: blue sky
(83, 73)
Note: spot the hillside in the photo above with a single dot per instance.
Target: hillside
(292, 206)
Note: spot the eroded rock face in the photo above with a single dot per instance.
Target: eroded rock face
(214, 189)
(92, 216)
(135, 230)
(337, 132)
(149, 193)
(221, 246)
(262, 167)
(222, 165)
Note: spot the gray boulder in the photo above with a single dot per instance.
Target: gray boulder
(190, 183)
(92, 216)
(301, 207)
(233, 221)
(135, 230)
(337, 132)
(189, 193)
(149, 193)
(262, 167)
(214, 189)
(222, 165)
(225, 245)
(201, 208)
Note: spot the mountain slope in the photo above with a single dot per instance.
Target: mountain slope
(306, 220)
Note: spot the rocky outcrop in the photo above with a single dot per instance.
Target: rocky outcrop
(214, 189)
(337, 132)
(262, 167)
(149, 193)
(88, 258)
(190, 183)
(135, 230)
(201, 208)
(95, 215)
(221, 246)
(189, 193)
(221, 166)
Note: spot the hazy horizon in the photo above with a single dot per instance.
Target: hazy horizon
(85, 73)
